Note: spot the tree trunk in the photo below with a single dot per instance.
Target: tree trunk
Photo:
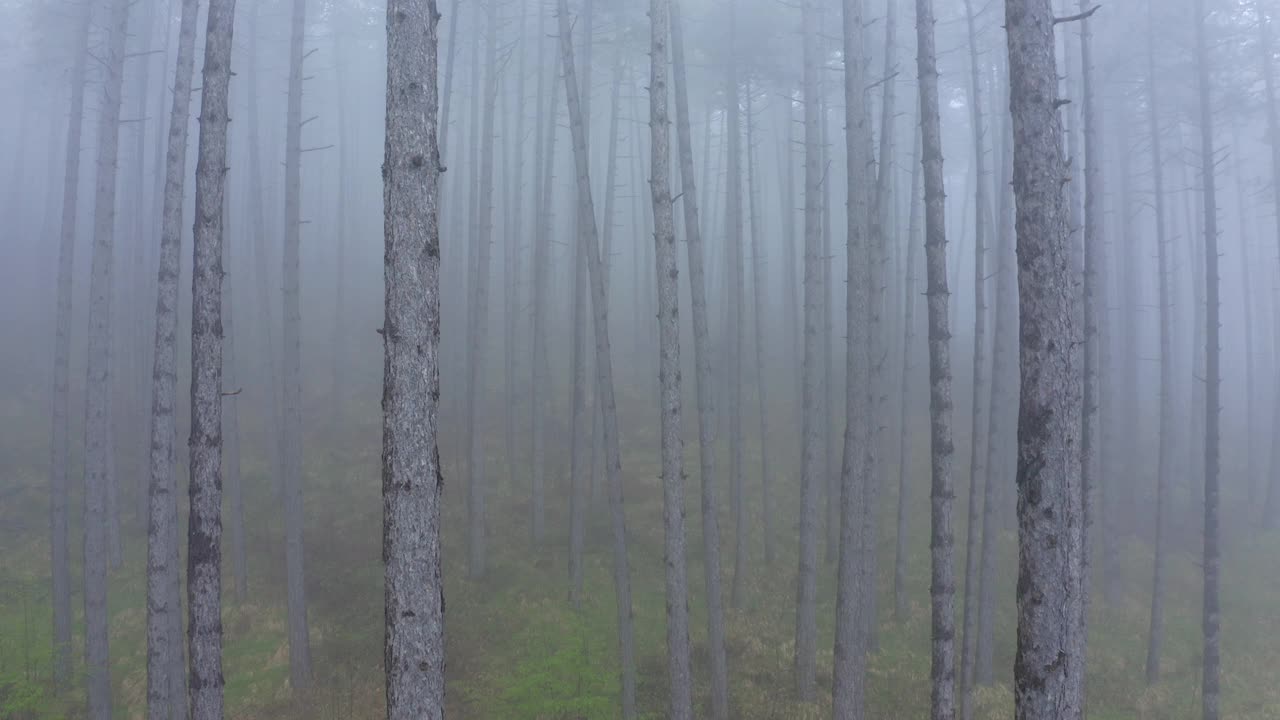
(910, 289)
(204, 529)
(811, 478)
(942, 588)
(477, 488)
(1048, 678)
(848, 684)
(978, 478)
(231, 411)
(98, 437)
(760, 297)
(1209, 692)
(59, 445)
(299, 634)
(1271, 507)
(413, 597)
(604, 369)
(702, 360)
(734, 301)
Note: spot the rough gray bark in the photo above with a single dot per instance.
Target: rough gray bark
(59, 443)
(204, 529)
(734, 300)
(910, 290)
(413, 598)
(97, 432)
(295, 573)
(978, 477)
(665, 253)
(811, 479)
(1209, 692)
(848, 684)
(942, 587)
(604, 369)
(702, 362)
(1048, 678)
(166, 698)
(477, 487)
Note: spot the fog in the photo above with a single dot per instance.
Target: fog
(529, 519)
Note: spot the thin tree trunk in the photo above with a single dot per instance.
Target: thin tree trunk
(942, 588)
(760, 297)
(734, 301)
(477, 488)
(1271, 507)
(295, 574)
(98, 437)
(59, 445)
(1209, 692)
(811, 478)
(1048, 678)
(604, 369)
(977, 442)
(1164, 460)
(910, 289)
(702, 360)
(204, 529)
(413, 597)
(231, 411)
(848, 685)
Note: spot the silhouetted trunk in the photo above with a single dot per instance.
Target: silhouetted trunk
(848, 684)
(905, 394)
(59, 442)
(942, 587)
(1164, 461)
(1209, 692)
(413, 596)
(295, 575)
(204, 529)
(98, 455)
(1048, 673)
(477, 488)
(977, 441)
(811, 478)
(702, 360)
(735, 298)
(604, 369)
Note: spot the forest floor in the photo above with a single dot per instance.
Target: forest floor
(517, 651)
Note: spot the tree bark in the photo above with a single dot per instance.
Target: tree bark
(706, 389)
(942, 588)
(1048, 679)
(413, 597)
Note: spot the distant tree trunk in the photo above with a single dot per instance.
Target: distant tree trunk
(1048, 677)
(942, 587)
(443, 122)
(413, 597)
(166, 696)
(204, 529)
(295, 574)
(604, 370)
(580, 442)
(59, 445)
(1164, 460)
(1212, 555)
(848, 684)
(1271, 507)
(231, 411)
(98, 437)
(787, 199)
(702, 360)
(681, 700)
(477, 487)
(910, 289)
(1094, 314)
(811, 478)
(760, 296)
(340, 325)
(513, 267)
(978, 478)
(734, 302)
